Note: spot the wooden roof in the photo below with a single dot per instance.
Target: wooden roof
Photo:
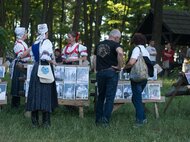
(175, 26)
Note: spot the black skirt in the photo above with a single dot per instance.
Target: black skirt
(41, 96)
(16, 84)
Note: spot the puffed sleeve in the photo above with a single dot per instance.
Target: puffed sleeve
(18, 49)
(46, 50)
(83, 50)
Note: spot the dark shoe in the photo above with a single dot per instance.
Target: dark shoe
(139, 124)
(46, 119)
(35, 119)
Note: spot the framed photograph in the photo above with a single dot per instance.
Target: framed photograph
(154, 91)
(59, 73)
(187, 75)
(26, 87)
(1, 60)
(2, 71)
(29, 70)
(82, 74)
(69, 91)
(70, 74)
(3, 90)
(59, 88)
(145, 94)
(119, 92)
(82, 91)
(127, 91)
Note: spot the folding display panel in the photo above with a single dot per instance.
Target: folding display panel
(81, 91)
(3, 90)
(59, 73)
(69, 91)
(119, 92)
(2, 72)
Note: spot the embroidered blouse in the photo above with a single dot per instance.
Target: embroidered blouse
(74, 52)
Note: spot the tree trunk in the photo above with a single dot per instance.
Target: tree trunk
(77, 15)
(45, 11)
(25, 13)
(98, 20)
(2, 13)
(63, 19)
(49, 19)
(2, 22)
(86, 30)
(91, 37)
(157, 27)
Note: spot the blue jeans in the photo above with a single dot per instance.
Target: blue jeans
(107, 84)
(137, 89)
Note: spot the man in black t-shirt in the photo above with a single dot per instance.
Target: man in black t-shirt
(108, 61)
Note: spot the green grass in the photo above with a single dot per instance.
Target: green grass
(173, 126)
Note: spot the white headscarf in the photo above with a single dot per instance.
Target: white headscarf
(20, 31)
(42, 29)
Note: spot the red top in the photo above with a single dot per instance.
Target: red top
(168, 55)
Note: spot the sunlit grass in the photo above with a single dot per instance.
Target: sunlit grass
(173, 126)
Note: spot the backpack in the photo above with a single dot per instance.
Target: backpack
(139, 71)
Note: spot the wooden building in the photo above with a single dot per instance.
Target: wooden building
(175, 27)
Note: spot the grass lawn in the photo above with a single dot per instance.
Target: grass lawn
(174, 126)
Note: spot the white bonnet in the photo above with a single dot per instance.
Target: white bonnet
(42, 28)
(20, 31)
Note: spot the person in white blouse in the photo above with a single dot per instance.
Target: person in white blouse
(152, 51)
(74, 52)
(19, 48)
(139, 41)
(41, 96)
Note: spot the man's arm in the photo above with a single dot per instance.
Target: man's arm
(119, 59)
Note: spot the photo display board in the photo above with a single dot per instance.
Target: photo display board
(151, 91)
(72, 82)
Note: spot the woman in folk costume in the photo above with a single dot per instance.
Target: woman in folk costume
(19, 48)
(74, 52)
(41, 96)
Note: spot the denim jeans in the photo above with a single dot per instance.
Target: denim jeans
(137, 89)
(107, 84)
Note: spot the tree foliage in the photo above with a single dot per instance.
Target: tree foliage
(92, 18)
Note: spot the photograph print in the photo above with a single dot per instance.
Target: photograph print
(59, 88)
(145, 94)
(82, 74)
(29, 70)
(70, 74)
(59, 73)
(82, 91)
(154, 91)
(1, 60)
(119, 92)
(69, 91)
(2, 72)
(26, 87)
(3, 90)
(127, 91)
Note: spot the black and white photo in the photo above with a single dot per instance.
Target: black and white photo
(70, 74)
(82, 74)
(69, 91)
(127, 92)
(59, 88)
(2, 72)
(3, 90)
(119, 92)
(29, 70)
(154, 91)
(82, 91)
(59, 73)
